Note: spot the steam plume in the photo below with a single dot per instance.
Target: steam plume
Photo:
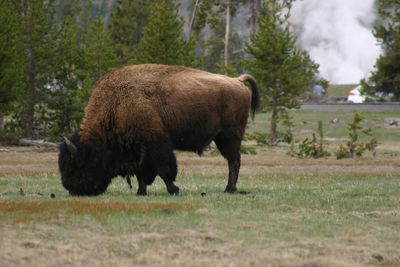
(338, 36)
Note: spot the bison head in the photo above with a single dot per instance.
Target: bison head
(82, 167)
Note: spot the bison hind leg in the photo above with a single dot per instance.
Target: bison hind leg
(229, 146)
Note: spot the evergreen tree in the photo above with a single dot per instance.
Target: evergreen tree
(83, 57)
(36, 42)
(10, 48)
(222, 52)
(163, 40)
(99, 59)
(66, 66)
(126, 26)
(214, 52)
(255, 8)
(284, 71)
(386, 77)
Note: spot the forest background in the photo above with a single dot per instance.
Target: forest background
(52, 52)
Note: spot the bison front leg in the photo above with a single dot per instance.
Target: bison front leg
(145, 176)
(142, 187)
(164, 161)
(229, 146)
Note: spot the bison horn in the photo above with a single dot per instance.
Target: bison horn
(71, 147)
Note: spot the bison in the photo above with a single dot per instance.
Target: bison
(138, 115)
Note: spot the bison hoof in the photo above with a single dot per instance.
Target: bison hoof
(230, 190)
(141, 193)
(174, 192)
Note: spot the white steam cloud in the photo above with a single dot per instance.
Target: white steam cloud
(338, 36)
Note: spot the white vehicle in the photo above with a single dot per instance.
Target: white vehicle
(355, 95)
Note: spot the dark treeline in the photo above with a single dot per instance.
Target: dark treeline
(53, 52)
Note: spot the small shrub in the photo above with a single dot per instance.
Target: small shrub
(354, 147)
(11, 134)
(259, 137)
(285, 136)
(342, 153)
(248, 150)
(264, 139)
(310, 148)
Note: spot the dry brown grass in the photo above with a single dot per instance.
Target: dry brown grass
(27, 161)
(81, 206)
(273, 163)
(28, 211)
(186, 248)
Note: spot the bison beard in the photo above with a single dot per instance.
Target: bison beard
(136, 117)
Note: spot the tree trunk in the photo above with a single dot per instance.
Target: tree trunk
(192, 19)
(1, 121)
(227, 32)
(28, 110)
(256, 8)
(274, 125)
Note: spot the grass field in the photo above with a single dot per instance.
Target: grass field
(299, 212)
(306, 122)
(340, 89)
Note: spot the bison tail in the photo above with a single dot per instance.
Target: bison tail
(255, 96)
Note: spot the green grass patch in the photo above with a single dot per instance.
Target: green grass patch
(283, 206)
(306, 122)
(340, 89)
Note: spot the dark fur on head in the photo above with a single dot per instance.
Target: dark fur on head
(90, 170)
(82, 173)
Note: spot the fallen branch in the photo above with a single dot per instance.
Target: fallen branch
(30, 142)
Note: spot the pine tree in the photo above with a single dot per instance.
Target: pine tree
(163, 41)
(99, 59)
(66, 66)
(10, 48)
(256, 8)
(220, 51)
(386, 77)
(215, 52)
(284, 71)
(36, 41)
(85, 54)
(126, 26)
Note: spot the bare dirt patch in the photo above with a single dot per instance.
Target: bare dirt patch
(392, 122)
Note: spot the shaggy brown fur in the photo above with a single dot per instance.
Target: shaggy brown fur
(165, 108)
